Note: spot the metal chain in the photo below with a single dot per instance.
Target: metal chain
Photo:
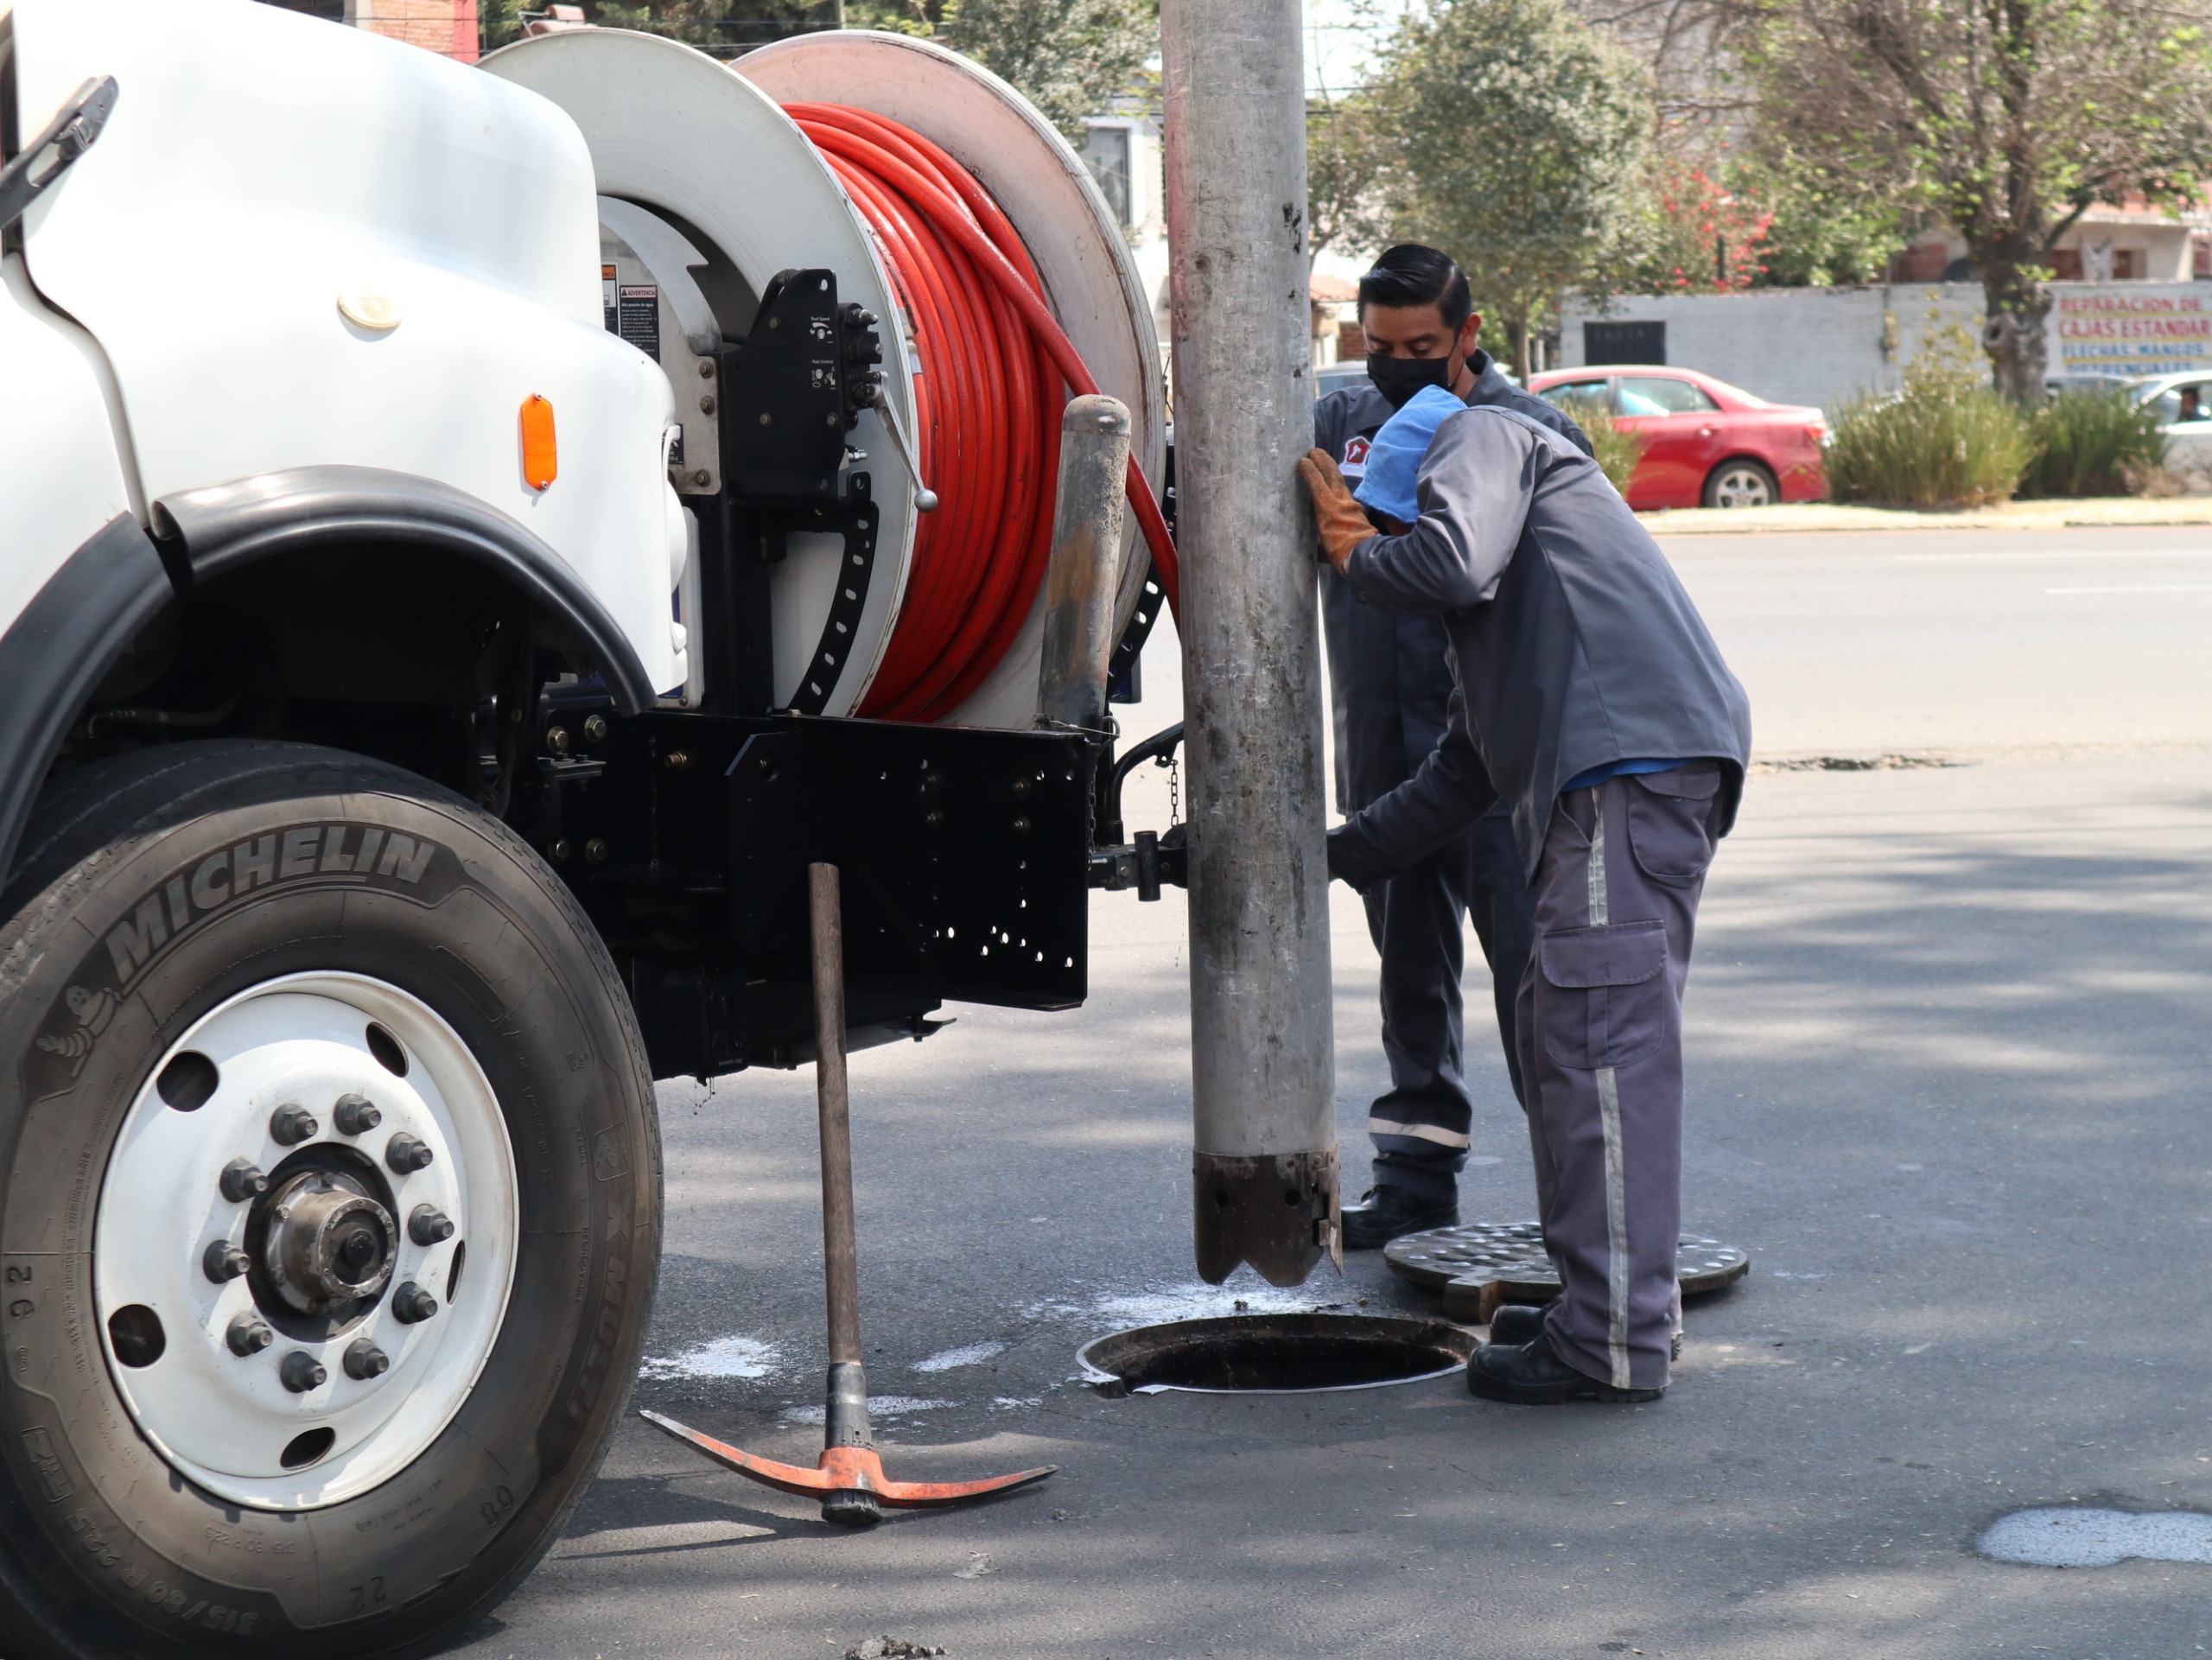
(1174, 791)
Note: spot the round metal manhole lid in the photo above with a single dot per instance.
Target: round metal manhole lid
(1274, 1354)
(1510, 1257)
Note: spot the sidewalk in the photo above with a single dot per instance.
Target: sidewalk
(2014, 516)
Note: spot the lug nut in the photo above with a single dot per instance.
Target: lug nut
(356, 1115)
(248, 1336)
(411, 1304)
(242, 1179)
(427, 1226)
(301, 1371)
(364, 1360)
(289, 1125)
(223, 1262)
(405, 1154)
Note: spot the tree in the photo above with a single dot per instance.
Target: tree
(730, 25)
(2004, 119)
(1517, 140)
(1710, 235)
(1069, 58)
(1347, 157)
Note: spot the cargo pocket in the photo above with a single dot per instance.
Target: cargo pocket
(1670, 822)
(1606, 994)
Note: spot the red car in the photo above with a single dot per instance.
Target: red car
(1705, 443)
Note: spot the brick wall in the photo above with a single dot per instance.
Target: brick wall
(444, 26)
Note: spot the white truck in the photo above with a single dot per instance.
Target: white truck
(432, 610)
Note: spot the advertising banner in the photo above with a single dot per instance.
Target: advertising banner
(2131, 328)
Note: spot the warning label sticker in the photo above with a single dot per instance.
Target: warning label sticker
(607, 296)
(638, 321)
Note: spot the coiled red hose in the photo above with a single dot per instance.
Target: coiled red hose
(987, 405)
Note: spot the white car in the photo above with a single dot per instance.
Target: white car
(2183, 401)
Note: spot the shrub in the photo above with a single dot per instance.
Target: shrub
(1618, 450)
(1946, 441)
(2095, 443)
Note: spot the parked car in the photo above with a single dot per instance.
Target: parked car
(1353, 372)
(1705, 443)
(2085, 382)
(2183, 401)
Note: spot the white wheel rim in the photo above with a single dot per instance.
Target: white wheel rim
(1741, 488)
(225, 1420)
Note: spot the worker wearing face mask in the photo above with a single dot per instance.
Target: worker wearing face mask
(1593, 702)
(1391, 687)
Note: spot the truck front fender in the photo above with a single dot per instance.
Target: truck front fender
(60, 647)
(224, 527)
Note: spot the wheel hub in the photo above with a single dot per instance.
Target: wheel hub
(281, 1338)
(327, 1244)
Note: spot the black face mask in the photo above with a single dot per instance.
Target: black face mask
(1399, 378)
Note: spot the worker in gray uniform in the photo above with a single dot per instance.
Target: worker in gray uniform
(1594, 704)
(1390, 687)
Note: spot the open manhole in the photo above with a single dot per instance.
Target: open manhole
(1275, 1352)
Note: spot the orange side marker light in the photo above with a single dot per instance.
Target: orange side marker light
(541, 459)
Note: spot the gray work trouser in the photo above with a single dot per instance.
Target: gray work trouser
(1599, 1026)
(1421, 1127)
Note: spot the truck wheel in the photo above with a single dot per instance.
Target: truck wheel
(329, 1209)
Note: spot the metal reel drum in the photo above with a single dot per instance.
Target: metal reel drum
(1089, 279)
(674, 131)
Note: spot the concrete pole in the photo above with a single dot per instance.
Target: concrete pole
(1079, 644)
(1262, 1058)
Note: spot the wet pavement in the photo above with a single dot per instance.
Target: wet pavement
(1948, 1052)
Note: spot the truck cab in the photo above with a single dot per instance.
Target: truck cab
(431, 668)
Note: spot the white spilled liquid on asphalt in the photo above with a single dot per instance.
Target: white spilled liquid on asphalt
(879, 1407)
(2091, 1538)
(726, 1357)
(973, 1354)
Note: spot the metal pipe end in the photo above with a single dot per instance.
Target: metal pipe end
(1278, 1212)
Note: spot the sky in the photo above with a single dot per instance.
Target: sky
(1338, 37)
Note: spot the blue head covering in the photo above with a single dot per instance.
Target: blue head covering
(1394, 457)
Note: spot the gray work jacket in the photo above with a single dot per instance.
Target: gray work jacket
(1390, 688)
(1574, 644)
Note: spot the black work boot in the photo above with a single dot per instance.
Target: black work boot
(1519, 1322)
(1389, 1211)
(1532, 1375)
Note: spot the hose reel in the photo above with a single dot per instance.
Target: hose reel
(853, 601)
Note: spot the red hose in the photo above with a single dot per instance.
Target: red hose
(987, 405)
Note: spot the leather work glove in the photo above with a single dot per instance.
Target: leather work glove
(1340, 518)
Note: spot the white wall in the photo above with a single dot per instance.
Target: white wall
(1823, 345)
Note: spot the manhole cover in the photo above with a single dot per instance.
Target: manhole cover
(1481, 1265)
(1275, 1352)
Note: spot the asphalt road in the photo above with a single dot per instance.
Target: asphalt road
(1947, 1057)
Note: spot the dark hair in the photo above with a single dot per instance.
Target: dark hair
(1411, 275)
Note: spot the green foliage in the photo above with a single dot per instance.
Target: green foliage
(1346, 155)
(2095, 443)
(724, 26)
(1513, 136)
(1069, 58)
(1947, 441)
(2003, 119)
(1617, 448)
(1709, 233)
(1829, 227)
